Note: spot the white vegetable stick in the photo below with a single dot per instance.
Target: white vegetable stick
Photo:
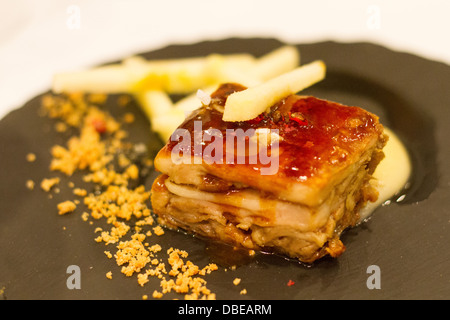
(209, 60)
(184, 76)
(248, 104)
(167, 123)
(154, 102)
(236, 68)
(108, 79)
(179, 76)
(134, 61)
(276, 62)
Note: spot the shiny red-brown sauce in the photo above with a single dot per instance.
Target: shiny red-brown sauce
(314, 132)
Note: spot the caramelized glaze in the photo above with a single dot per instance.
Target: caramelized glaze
(315, 134)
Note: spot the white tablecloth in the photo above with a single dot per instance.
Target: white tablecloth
(41, 37)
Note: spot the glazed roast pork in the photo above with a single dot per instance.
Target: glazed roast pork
(323, 155)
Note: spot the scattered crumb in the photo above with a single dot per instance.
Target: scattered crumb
(119, 230)
(158, 230)
(48, 184)
(61, 127)
(124, 100)
(66, 207)
(157, 295)
(97, 149)
(98, 98)
(142, 279)
(30, 184)
(80, 192)
(132, 255)
(120, 134)
(119, 202)
(132, 172)
(31, 157)
(85, 216)
(243, 292)
(128, 117)
(144, 297)
(148, 163)
(147, 221)
(123, 161)
(236, 281)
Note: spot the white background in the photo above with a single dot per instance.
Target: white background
(41, 37)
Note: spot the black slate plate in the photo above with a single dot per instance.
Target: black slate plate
(408, 241)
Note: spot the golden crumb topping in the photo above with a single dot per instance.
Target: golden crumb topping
(66, 207)
(30, 184)
(48, 184)
(31, 157)
(80, 192)
(99, 152)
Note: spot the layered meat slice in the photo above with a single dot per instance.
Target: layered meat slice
(294, 193)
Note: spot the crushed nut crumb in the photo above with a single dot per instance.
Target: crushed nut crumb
(96, 150)
(66, 207)
(31, 157)
(48, 184)
(30, 184)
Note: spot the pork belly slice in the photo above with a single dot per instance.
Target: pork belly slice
(327, 153)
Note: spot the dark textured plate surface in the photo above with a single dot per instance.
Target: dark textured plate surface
(408, 241)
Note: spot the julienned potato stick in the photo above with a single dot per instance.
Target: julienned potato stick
(175, 76)
(160, 111)
(271, 65)
(135, 74)
(154, 102)
(108, 80)
(225, 69)
(276, 62)
(167, 123)
(248, 104)
(152, 81)
(178, 78)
